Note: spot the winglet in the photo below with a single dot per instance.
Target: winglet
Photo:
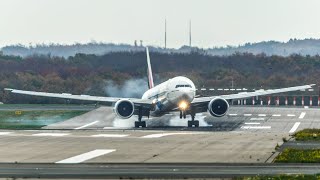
(150, 77)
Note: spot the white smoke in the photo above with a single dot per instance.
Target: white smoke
(133, 88)
(124, 123)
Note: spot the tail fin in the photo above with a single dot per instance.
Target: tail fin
(150, 77)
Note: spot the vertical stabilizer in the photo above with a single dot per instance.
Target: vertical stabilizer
(150, 77)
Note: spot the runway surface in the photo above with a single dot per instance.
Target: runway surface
(135, 146)
(129, 171)
(245, 135)
(254, 119)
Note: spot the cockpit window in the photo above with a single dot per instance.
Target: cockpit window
(183, 85)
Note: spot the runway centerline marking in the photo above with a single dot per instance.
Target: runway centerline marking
(276, 115)
(110, 135)
(262, 115)
(233, 114)
(165, 134)
(252, 123)
(302, 115)
(247, 114)
(84, 126)
(255, 127)
(50, 134)
(86, 156)
(256, 119)
(295, 127)
(291, 115)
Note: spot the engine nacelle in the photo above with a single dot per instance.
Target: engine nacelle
(218, 107)
(124, 109)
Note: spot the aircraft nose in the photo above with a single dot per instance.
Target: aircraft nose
(188, 95)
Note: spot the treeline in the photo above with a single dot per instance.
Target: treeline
(90, 74)
(293, 46)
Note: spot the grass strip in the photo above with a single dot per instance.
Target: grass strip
(281, 177)
(291, 155)
(308, 135)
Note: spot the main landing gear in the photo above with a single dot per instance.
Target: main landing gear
(192, 123)
(140, 123)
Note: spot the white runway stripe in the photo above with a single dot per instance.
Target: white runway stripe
(5, 133)
(255, 127)
(233, 114)
(276, 115)
(262, 115)
(251, 123)
(247, 114)
(164, 134)
(110, 135)
(257, 119)
(302, 115)
(291, 115)
(84, 126)
(295, 127)
(50, 134)
(86, 156)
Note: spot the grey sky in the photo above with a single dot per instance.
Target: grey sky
(214, 22)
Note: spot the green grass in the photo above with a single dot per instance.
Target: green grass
(290, 155)
(308, 135)
(34, 119)
(282, 177)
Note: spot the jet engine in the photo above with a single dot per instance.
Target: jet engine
(124, 109)
(218, 107)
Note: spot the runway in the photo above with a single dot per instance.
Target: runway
(135, 146)
(239, 118)
(245, 135)
(128, 171)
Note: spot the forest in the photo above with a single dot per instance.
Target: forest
(101, 74)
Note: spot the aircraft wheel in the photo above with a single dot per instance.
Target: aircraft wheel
(193, 123)
(139, 124)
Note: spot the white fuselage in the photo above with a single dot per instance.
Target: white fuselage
(170, 93)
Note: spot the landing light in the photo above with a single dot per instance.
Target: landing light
(183, 105)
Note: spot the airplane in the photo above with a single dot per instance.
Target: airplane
(174, 95)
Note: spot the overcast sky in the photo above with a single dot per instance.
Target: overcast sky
(214, 22)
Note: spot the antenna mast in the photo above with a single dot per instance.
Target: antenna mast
(190, 33)
(165, 34)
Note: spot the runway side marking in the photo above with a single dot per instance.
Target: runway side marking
(255, 127)
(5, 133)
(251, 123)
(86, 156)
(110, 135)
(247, 114)
(302, 115)
(50, 134)
(276, 115)
(257, 119)
(165, 134)
(233, 114)
(262, 115)
(291, 115)
(84, 126)
(295, 127)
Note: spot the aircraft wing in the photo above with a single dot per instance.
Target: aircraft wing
(78, 97)
(244, 95)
